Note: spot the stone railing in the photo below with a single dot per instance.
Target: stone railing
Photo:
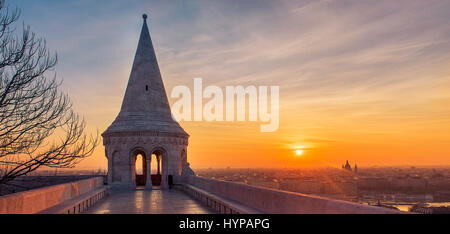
(61, 198)
(217, 203)
(265, 200)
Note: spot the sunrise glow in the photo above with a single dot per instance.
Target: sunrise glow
(352, 85)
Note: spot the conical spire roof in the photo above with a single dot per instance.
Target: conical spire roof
(145, 106)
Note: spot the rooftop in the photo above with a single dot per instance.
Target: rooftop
(145, 106)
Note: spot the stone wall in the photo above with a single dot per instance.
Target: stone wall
(282, 202)
(36, 200)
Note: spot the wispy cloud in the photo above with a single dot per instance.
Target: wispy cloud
(380, 65)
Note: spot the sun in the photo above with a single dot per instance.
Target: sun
(299, 152)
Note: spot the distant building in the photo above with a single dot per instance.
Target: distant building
(356, 168)
(347, 166)
(308, 186)
(425, 209)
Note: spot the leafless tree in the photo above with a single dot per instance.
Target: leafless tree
(37, 124)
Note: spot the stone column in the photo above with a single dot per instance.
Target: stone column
(164, 170)
(110, 168)
(131, 175)
(148, 181)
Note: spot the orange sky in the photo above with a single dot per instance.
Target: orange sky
(367, 81)
(402, 130)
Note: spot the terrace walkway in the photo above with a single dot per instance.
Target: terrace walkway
(142, 201)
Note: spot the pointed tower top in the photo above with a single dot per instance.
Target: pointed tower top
(145, 106)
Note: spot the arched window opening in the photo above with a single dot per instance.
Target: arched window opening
(154, 162)
(140, 169)
(139, 165)
(156, 168)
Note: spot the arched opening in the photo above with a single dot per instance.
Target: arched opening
(156, 167)
(140, 169)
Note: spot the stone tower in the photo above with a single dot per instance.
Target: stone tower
(145, 127)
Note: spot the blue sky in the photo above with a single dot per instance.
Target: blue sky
(382, 64)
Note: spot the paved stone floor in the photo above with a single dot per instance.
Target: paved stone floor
(149, 202)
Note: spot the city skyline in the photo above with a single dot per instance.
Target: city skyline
(370, 86)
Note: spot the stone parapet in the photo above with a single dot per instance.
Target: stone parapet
(274, 201)
(36, 200)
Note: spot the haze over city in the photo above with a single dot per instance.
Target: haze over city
(358, 82)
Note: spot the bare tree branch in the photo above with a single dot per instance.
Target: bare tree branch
(32, 109)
